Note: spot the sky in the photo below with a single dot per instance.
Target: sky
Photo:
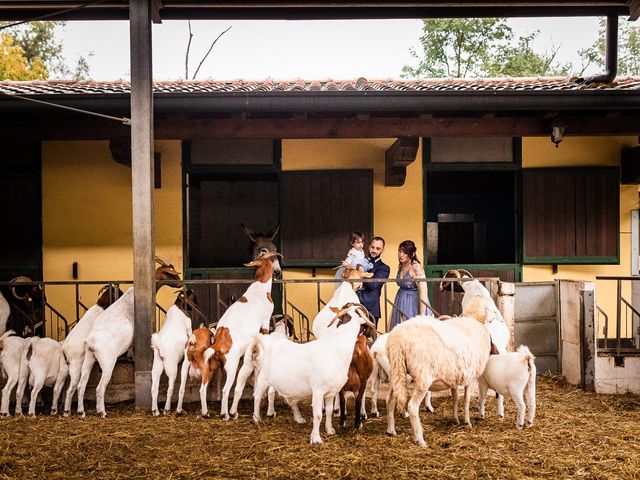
(287, 50)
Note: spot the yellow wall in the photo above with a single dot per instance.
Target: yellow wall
(397, 210)
(86, 217)
(577, 152)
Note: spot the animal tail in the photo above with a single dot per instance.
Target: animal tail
(530, 387)
(398, 372)
(155, 345)
(6, 334)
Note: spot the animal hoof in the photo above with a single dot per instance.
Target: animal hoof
(81, 415)
(155, 413)
(301, 421)
(391, 432)
(180, 412)
(336, 414)
(235, 416)
(360, 427)
(528, 425)
(66, 413)
(429, 409)
(225, 416)
(256, 419)
(421, 443)
(519, 426)
(4, 415)
(375, 414)
(271, 415)
(331, 432)
(102, 414)
(33, 416)
(205, 415)
(166, 411)
(54, 413)
(316, 441)
(501, 417)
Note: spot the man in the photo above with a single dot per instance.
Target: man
(370, 292)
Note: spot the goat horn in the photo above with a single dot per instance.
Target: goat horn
(20, 279)
(161, 262)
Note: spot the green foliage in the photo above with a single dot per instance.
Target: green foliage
(628, 49)
(482, 47)
(42, 52)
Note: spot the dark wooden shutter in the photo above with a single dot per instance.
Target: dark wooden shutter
(319, 210)
(571, 215)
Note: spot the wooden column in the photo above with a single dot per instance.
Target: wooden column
(142, 186)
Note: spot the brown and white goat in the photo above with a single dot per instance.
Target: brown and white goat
(359, 372)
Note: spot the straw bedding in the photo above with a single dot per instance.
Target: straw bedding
(576, 435)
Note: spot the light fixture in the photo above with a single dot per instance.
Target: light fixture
(557, 132)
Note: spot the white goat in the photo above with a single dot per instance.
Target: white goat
(45, 366)
(168, 348)
(11, 349)
(110, 337)
(513, 374)
(317, 369)
(4, 313)
(73, 347)
(250, 367)
(250, 314)
(438, 356)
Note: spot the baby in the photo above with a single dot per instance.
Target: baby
(355, 256)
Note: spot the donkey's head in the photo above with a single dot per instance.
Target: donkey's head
(262, 245)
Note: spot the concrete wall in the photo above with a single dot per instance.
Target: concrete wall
(570, 329)
(610, 378)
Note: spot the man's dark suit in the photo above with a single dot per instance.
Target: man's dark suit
(369, 294)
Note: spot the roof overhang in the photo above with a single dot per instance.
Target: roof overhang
(316, 10)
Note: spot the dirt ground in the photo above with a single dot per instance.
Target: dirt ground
(576, 435)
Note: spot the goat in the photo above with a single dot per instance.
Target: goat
(26, 306)
(42, 364)
(359, 372)
(73, 347)
(5, 310)
(283, 328)
(513, 374)
(168, 347)
(242, 320)
(438, 356)
(317, 369)
(11, 349)
(198, 363)
(111, 336)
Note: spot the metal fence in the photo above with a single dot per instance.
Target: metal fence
(300, 298)
(619, 334)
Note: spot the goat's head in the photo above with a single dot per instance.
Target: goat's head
(357, 273)
(353, 312)
(284, 322)
(266, 266)
(262, 244)
(186, 300)
(31, 295)
(167, 272)
(449, 285)
(107, 295)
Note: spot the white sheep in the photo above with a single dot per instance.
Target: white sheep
(317, 369)
(168, 348)
(438, 356)
(73, 347)
(110, 337)
(283, 329)
(513, 374)
(45, 366)
(11, 349)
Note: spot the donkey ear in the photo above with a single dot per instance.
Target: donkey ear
(275, 232)
(250, 233)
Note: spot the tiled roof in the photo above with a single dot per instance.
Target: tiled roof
(540, 84)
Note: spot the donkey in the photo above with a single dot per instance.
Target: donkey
(262, 243)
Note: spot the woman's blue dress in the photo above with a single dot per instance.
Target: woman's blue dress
(407, 300)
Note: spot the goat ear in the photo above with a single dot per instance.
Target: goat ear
(367, 275)
(334, 309)
(275, 232)
(250, 233)
(254, 263)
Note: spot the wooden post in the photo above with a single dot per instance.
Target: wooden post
(142, 187)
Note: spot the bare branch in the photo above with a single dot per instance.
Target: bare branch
(208, 52)
(186, 56)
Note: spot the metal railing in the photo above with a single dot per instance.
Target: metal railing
(57, 325)
(626, 338)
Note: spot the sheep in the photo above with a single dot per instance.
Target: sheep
(283, 329)
(438, 356)
(11, 349)
(168, 347)
(380, 373)
(111, 336)
(317, 369)
(242, 320)
(199, 362)
(73, 347)
(513, 374)
(45, 366)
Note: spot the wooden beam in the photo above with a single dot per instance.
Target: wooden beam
(397, 158)
(634, 10)
(142, 196)
(170, 129)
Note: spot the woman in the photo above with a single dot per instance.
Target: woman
(411, 298)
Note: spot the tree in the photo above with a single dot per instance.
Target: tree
(41, 49)
(628, 49)
(14, 64)
(461, 47)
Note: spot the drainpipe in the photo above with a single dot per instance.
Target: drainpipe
(611, 55)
